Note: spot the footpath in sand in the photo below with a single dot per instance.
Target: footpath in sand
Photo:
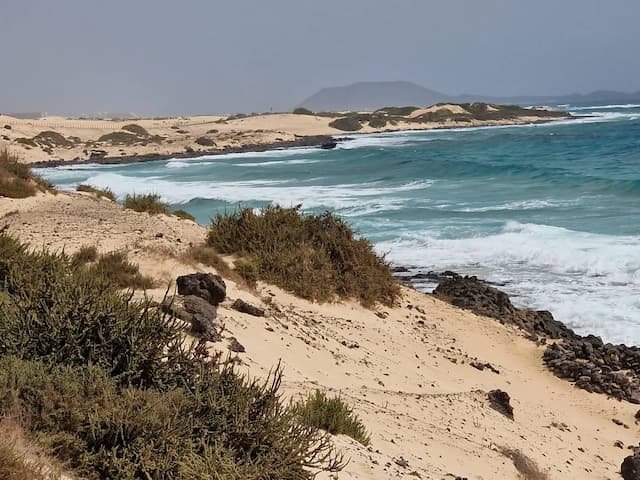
(406, 370)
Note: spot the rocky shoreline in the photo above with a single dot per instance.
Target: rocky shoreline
(586, 361)
(302, 141)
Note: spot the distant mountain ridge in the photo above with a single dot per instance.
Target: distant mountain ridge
(368, 96)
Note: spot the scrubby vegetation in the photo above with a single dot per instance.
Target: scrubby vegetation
(136, 129)
(149, 203)
(184, 215)
(14, 464)
(122, 272)
(99, 192)
(86, 254)
(302, 111)
(397, 111)
(17, 180)
(333, 415)
(109, 385)
(317, 257)
(205, 142)
(120, 138)
(346, 124)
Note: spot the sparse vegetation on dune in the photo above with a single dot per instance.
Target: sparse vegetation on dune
(333, 415)
(108, 385)
(346, 124)
(302, 111)
(149, 203)
(183, 214)
(122, 272)
(17, 180)
(317, 257)
(99, 192)
(136, 129)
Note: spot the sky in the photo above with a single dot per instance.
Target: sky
(158, 57)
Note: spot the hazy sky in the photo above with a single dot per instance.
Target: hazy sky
(214, 56)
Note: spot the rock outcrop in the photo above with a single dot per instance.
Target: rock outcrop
(207, 286)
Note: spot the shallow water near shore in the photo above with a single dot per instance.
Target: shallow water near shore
(551, 211)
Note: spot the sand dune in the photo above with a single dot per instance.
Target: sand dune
(406, 370)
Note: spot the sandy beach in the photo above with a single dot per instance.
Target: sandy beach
(78, 140)
(406, 370)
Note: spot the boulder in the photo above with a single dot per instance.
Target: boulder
(244, 307)
(501, 402)
(630, 468)
(207, 286)
(203, 316)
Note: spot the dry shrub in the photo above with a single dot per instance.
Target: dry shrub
(333, 415)
(183, 214)
(85, 254)
(346, 124)
(17, 180)
(317, 257)
(149, 202)
(206, 255)
(121, 272)
(136, 129)
(99, 192)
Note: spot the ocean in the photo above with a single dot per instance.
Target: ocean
(550, 212)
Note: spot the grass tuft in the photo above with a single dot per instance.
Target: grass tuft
(317, 257)
(149, 203)
(86, 254)
(115, 267)
(99, 192)
(184, 215)
(333, 415)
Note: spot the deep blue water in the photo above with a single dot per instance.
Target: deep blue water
(552, 211)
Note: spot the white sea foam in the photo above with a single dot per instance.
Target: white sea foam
(518, 205)
(280, 192)
(588, 280)
(296, 161)
(606, 107)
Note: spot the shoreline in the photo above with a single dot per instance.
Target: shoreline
(279, 144)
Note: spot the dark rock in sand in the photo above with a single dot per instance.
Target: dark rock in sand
(207, 286)
(329, 145)
(203, 316)
(235, 345)
(630, 468)
(244, 307)
(473, 294)
(501, 402)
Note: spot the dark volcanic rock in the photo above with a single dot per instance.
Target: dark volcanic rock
(207, 286)
(203, 316)
(501, 402)
(473, 294)
(597, 367)
(235, 345)
(630, 468)
(244, 307)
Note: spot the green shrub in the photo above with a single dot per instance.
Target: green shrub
(248, 270)
(136, 129)
(378, 121)
(302, 111)
(99, 192)
(121, 272)
(149, 202)
(317, 257)
(332, 415)
(346, 124)
(184, 215)
(120, 138)
(109, 386)
(52, 139)
(86, 254)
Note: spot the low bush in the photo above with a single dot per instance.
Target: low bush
(184, 215)
(99, 192)
(333, 415)
(86, 254)
(149, 203)
(120, 138)
(248, 270)
(378, 121)
(302, 111)
(136, 129)
(346, 124)
(397, 111)
(110, 386)
(317, 257)
(52, 139)
(205, 142)
(121, 272)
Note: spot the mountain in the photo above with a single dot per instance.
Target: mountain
(368, 96)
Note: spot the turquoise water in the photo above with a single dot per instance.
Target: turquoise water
(551, 211)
